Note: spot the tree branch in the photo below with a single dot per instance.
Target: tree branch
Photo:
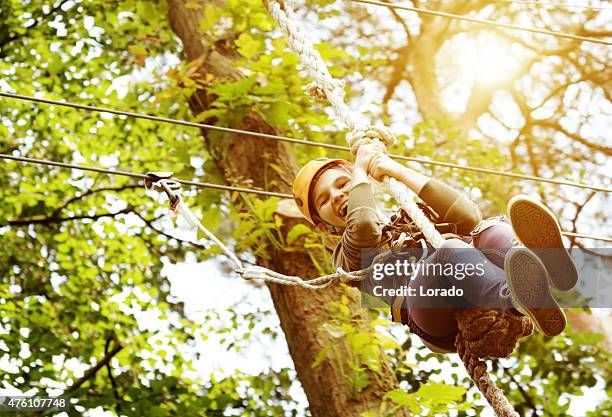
(110, 374)
(91, 372)
(397, 74)
(579, 208)
(524, 393)
(71, 200)
(554, 124)
(150, 224)
(55, 220)
(36, 22)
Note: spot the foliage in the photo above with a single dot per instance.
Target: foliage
(71, 287)
(364, 347)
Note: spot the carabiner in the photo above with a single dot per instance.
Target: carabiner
(164, 182)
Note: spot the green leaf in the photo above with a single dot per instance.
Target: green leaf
(387, 343)
(146, 10)
(320, 356)
(272, 88)
(329, 53)
(247, 45)
(278, 113)
(210, 18)
(362, 380)
(441, 393)
(359, 340)
(333, 331)
(261, 21)
(297, 231)
(137, 50)
(233, 90)
(212, 218)
(400, 397)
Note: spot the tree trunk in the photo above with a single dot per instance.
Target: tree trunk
(301, 312)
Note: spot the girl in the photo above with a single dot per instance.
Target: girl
(337, 198)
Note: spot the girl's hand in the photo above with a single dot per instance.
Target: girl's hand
(366, 153)
(381, 165)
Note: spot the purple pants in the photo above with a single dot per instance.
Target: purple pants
(493, 237)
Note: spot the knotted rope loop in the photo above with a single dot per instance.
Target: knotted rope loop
(317, 91)
(361, 135)
(489, 334)
(492, 333)
(346, 277)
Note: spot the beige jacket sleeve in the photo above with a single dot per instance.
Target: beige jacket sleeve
(363, 229)
(451, 205)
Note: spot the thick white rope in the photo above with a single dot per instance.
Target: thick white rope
(399, 191)
(333, 89)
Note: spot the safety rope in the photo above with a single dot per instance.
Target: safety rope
(164, 182)
(300, 43)
(484, 22)
(300, 141)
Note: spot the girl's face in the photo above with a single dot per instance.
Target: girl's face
(330, 196)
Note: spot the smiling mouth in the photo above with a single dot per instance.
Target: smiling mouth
(343, 209)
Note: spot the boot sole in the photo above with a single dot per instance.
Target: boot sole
(536, 227)
(528, 283)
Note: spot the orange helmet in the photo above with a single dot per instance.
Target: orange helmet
(304, 183)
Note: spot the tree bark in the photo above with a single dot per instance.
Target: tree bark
(243, 160)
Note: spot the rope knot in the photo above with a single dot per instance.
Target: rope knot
(317, 91)
(485, 333)
(492, 333)
(344, 277)
(251, 272)
(361, 135)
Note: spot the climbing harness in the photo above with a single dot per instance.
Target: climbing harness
(401, 228)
